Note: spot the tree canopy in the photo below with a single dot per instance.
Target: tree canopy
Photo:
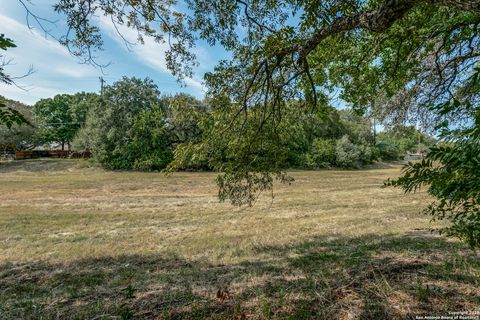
(125, 126)
(62, 116)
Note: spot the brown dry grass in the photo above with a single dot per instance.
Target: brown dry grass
(91, 243)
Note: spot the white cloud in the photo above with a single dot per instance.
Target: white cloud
(78, 71)
(56, 71)
(150, 53)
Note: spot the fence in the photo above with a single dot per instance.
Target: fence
(33, 154)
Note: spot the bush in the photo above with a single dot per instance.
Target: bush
(349, 155)
(387, 151)
(405, 140)
(322, 153)
(149, 141)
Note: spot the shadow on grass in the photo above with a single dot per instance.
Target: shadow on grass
(368, 277)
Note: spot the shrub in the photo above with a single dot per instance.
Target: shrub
(149, 142)
(322, 153)
(349, 155)
(387, 151)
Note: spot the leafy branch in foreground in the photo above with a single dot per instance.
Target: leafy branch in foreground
(248, 154)
(10, 116)
(451, 171)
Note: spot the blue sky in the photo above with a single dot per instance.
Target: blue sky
(56, 71)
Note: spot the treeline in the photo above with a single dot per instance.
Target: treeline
(131, 125)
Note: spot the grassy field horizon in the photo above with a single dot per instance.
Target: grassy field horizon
(90, 243)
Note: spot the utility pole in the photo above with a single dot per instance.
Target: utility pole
(372, 114)
(101, 84)
(418, 148)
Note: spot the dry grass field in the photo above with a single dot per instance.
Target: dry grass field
(84, 243)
